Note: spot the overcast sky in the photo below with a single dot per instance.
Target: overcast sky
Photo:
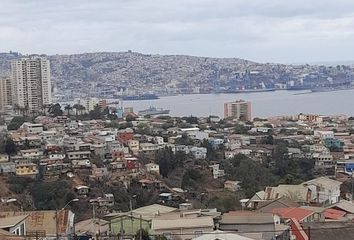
(287, 31)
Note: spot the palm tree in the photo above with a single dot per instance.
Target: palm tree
(81, 109)
(68, 108)
(76, 107)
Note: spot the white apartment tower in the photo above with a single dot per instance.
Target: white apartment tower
(31, 84)
(5, 94)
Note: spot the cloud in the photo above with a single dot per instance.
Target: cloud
(262, 30)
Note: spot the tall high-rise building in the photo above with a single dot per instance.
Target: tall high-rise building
(31, 84)
(5, 93)
(239, 109)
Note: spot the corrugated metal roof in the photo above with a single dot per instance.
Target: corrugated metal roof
(178, 223)
(11, 221)
(246, 217)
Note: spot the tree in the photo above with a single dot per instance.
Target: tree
(281, 159)
(191, 178)
(55, 110)
(78, 109)
(96, 113)
(51, 195)
(240, 129)
(252, 175)
(10, 147)
(166, 160)
(68, 108)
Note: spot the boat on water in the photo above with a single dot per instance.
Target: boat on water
(331, 89)
(249, 90)
(153, 111)
(146, 96)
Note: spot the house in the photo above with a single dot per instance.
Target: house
(329, 230)
(267, 206)
(125, 135)
(345, 206)
(324, 190)
(14, 224)
(31, 153)
(7, 168)
(149, 147)
(217, 173)
(130, 221)
(253, 202)
(133, 145)
(81, 163)
(197, 152)
(246, 222)
(181, 226)
(78, 155)
(232, 186)
(32, 128)
(323, 161)
(153, 168)
(323, 134)
(297, 193)
(82, 190)
(283, 215)
(92, 227)
(129, 224)
(46, 223)
(5, 235)
(26, 168)
(4, 158)
(100, 173)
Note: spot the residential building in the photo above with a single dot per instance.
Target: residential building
(14, 224)
(216, 171)
(181, 226)
(240, 110)
(49, 224)
(324, 190)
(5, 93)
(248, 222)
(232, 186)
(153, 168)
(26, 168)
(31, 84)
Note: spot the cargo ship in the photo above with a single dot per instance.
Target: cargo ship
(153, 111)
(249, 90)
(331, 88)
(146, 96)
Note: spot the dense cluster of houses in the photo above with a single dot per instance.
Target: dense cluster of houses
(51, 147)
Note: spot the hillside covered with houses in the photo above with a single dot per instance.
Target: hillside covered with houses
(178, 177)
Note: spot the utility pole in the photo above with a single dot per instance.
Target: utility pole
(56, 225)
(352, 186)
(94, 219)
(141, 228)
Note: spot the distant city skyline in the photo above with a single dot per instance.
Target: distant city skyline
(279, 31)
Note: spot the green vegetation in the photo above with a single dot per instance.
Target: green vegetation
(225, 202)
(55, 110)
(51, 195)
(191, 179)
(253, 176)
(18, 185)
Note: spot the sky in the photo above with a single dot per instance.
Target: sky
(283, 31)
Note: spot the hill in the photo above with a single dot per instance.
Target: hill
(108, 72)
